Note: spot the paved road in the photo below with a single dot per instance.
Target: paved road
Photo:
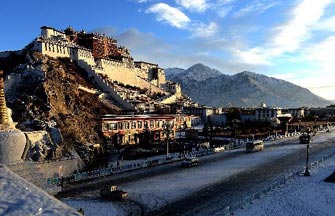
(213, 199)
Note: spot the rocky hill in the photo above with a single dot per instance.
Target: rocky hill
(246, 89)
(48, 91)
(198, 72)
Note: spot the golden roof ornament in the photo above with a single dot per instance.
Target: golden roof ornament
(3, 107)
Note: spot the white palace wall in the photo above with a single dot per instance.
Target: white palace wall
(119, 71)
(115, 70)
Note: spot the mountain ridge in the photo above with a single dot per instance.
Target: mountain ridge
(210, 87)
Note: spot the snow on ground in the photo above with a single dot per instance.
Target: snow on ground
(157, 191)
(94, 207)
(19, 197)
(302, 196)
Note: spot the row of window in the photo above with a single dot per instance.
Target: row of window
(134, 125)
(264, 115)
(65, 50)
(58, 49)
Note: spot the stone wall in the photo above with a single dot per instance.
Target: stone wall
(63, 49)
(115, 70)
(104, 85)
(38, 173)
(119, 71)
(55, 50)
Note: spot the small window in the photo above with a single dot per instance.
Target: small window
(152, 124)
(157, 124)
(112, 126)
(126, 125)
(133, 125)
(139, 124)
(119, 126)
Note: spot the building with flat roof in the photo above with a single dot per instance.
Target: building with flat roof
(127, 129)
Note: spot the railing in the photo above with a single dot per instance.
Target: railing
(113, 168)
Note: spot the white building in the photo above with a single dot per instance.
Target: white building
(203, 112)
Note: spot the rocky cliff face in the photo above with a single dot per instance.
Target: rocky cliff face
(245, 89)
(45, 94)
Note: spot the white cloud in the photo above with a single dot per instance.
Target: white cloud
(139, 43)
(170, 15)
(204, 30)
(255, 7)
(253, 56)
(322, 54)
(194, 5)
(326, 24)
(224, 11)
(176, 18)
(289, 37)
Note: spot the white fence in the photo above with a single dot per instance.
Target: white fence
(121, 167)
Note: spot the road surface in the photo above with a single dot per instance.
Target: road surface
(219, 181)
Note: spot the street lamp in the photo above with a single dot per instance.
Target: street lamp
(315, 119)
(307, 173)
(167, 129)
(299, 123)
(235, 122)
(181, 127)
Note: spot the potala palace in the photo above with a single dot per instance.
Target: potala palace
(108, 63)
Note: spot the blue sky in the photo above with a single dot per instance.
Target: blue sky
(292, 40)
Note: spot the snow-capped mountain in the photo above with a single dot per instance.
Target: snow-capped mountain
(197, 72)
(246, 89)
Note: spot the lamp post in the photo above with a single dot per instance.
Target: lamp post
(180, 134)
(167, 129)
(307, 173)
(234, 121)
(315, 125)
(299, 123)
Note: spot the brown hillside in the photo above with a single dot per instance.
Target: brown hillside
(48, 92)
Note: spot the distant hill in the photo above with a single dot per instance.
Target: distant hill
(173, 72)
(246, 89)
(197, 72)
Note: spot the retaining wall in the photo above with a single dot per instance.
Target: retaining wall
(38, 173)
(104, 85)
